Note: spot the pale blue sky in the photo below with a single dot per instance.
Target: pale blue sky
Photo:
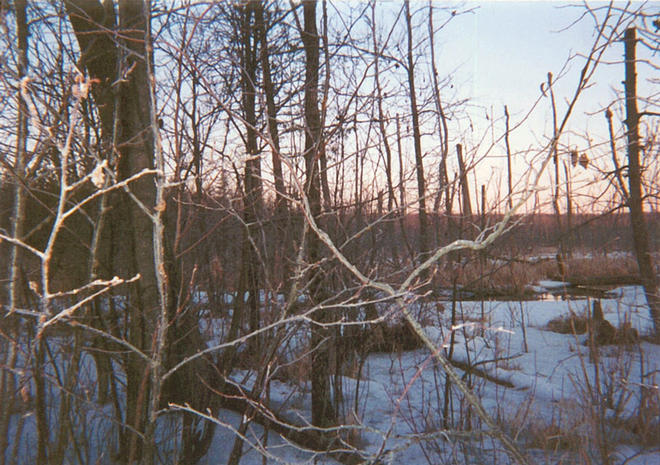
(500, 54)
(508, 48)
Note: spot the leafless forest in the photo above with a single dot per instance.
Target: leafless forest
(189, 189)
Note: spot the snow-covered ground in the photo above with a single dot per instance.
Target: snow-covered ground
(543, 391)
(560, 402)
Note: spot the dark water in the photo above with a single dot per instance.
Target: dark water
(548, 295)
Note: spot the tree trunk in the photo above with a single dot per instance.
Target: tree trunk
(271, 111)
(402, 192)
(125, 115)
(509, 199)
(466, 205)
(635, 201)
(417, 140)
(322, 155)
(382, 119)
(443, 131)
(252, 207)
(10, 325)
(561, 254)
(322, 409)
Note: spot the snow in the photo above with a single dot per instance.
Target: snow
(550, 372)
(400, 396)
(550, 285)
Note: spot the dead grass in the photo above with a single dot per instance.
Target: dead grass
(499, 277)
(591, 267)
(646, 424)
(550, 437)
(561, 433)
(571, 323)
(493, 277)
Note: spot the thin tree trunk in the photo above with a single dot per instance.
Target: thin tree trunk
(615, 158)
(253, 187)
(555, 160)
(569, 212)
(508, 158)
(391, 196)
(8, 345)
(40, 403)
(402, 192)
(323, 158)
(359, 173)
(281, 266)
(417, 141)
(64, 427)
(635, 201)
(271, 110)
(465, 188)
(443, 131)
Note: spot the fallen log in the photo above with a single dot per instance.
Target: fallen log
(468, 369)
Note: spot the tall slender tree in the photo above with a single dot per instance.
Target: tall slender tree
(270, 93)
(322, 409)
(253, 190)
(635, 199)
(417, 138)
(10, 349)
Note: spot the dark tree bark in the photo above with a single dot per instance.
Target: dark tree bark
(561, 254)
(270, 93)
(252, 199)
(281, 266)
(322, 409)
(402, 191)
(122, 99)
(323, 158)
(93, 23)
(466, 204)
(635, 199)
(509, 200)
(8, 347)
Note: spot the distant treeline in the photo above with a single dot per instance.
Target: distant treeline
(589, 232)
(379, 239)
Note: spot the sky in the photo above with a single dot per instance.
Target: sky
(506, 49)
(499, 54)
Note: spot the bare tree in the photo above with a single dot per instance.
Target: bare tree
(635, 199)
(322, 408)
(169, 349)
(417, 139)
(8, 381)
